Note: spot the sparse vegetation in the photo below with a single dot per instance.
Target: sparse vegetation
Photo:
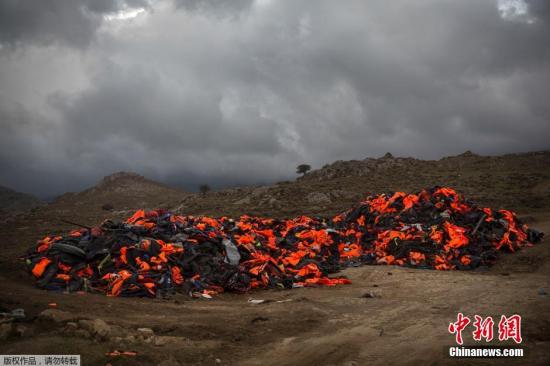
(303, 169)
(204, 189)
(107, 207)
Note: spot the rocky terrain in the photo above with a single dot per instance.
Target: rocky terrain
(517, 181)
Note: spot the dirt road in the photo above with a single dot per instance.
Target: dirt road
(404, 323)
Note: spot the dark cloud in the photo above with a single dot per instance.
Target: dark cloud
(242, 92)
(112, 6)
(72, 22)
(218, 8)
(539, 9)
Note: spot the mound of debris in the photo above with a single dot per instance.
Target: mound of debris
(156, 253)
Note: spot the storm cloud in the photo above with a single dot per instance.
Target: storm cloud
(241, 92)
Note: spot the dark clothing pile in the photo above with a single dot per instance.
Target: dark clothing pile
(157, 253)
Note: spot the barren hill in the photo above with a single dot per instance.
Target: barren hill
(117, 193)
(115, 196)
(517, 181)
(13, 202)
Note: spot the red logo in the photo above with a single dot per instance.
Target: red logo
(457, 327)
(484, 328)
(508, 328)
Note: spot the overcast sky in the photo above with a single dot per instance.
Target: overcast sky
(242, 91)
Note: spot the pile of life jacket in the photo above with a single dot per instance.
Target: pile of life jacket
(157, 253)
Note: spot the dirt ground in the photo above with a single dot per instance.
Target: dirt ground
(404, 323)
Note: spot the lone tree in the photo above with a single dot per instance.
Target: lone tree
(303, 169)
(204, 189)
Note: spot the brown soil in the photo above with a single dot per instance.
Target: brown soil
(404, 323)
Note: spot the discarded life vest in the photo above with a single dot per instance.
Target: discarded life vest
(156, 253)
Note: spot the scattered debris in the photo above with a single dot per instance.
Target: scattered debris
(370, 295)
(257, 301)
(259, 319)
(542, 291)
(155, 253)
(15, 314)
(282, 301)
(262, 301)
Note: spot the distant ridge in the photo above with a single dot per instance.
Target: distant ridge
(14, 203)
(515, 181)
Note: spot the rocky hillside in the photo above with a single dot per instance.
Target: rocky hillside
(115, 196)
(14, 203)
(118, 192)
(517, 181)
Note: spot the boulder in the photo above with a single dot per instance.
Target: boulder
(317, 198)
(164, 340)
(70, 327)
(56, 316)
(101, 329)
(270, 201)
(243, 201)
(97, 327)
(145, 333)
